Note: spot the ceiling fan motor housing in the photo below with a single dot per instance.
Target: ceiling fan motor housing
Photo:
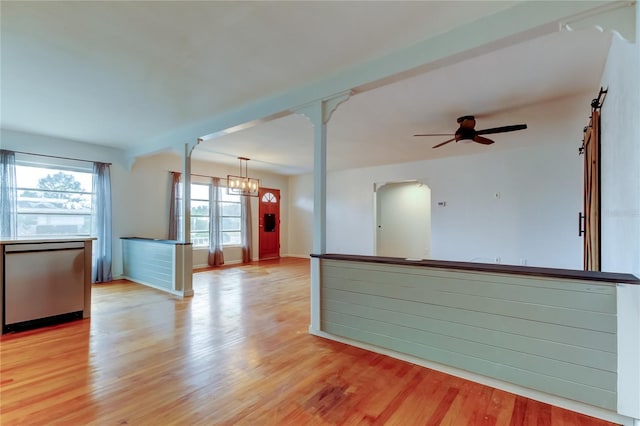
(465, 117)
(465, 133)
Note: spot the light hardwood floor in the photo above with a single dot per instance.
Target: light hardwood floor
(238, 352)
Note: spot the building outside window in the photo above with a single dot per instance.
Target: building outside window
(53, 200)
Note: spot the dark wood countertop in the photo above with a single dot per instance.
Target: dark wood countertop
(571, 274)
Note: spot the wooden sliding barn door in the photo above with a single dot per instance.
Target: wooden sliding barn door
(591, 230)
(590, 218)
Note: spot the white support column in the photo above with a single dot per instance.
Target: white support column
(319, 182)
(187, 255)
(186, 193)
(319, 113)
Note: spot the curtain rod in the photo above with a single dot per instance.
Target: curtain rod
(195, 174)
(59, 157)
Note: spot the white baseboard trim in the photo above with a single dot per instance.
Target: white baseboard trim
(301, 256)
(226, 263)
(166, 290)
(488, 381)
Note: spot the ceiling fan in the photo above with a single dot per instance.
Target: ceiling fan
(467, 131)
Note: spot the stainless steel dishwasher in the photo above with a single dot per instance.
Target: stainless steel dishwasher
(42, 281)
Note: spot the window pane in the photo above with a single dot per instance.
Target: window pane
(51, 224)
(269, 222)
(229, 197)
(53, 201)
(199, 191)
(230, 209)
(199, 208)
(31, 201)
(199, 239)
(51, 178)
(200, 224)
(230, 223)
(231, 238)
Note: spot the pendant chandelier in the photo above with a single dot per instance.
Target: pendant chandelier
(243, 184)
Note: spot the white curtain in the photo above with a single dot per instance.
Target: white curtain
(246, 229)
(8, 194)
(175, 210)
(216, 256)
(101, 218)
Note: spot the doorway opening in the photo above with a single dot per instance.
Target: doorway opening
(403, 220)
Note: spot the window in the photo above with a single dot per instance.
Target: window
(231, 216)
(269, 197)
(231, 211)
(199, 215)
(53, 200)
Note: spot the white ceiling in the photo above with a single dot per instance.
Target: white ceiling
(122, 73)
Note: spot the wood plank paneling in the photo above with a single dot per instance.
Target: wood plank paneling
(601, 360)
(505, 287)
(552, 335)
(149, 263)
(605, 342)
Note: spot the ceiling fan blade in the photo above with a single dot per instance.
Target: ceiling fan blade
(482, 140)
(444, 143)
(501, 129)
(435, 134)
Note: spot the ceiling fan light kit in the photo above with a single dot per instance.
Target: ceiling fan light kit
(467, 131)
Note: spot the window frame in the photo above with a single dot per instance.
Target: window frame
(51, 168)
(225, 198)
(206, 216)
(239, 216)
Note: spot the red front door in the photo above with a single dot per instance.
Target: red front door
(269, 223)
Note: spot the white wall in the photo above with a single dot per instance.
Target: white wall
(513, 207)
(621, 159)
(300, 209)
(620, 203)
(533, 220)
